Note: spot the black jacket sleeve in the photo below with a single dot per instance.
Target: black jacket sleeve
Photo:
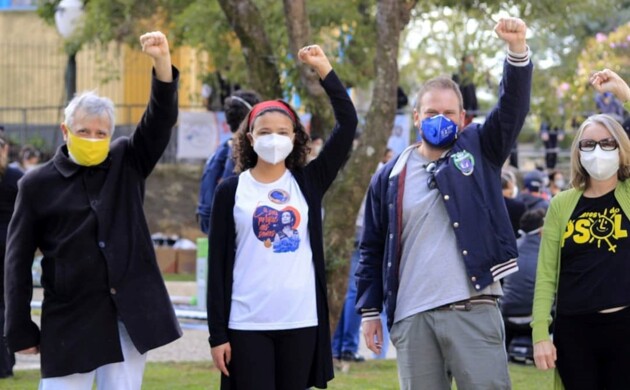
(338, 146)
(221, 253)
(153, 132)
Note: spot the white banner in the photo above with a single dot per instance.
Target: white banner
(200, 134)
(399, 137)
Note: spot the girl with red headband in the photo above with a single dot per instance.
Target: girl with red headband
(267, 305)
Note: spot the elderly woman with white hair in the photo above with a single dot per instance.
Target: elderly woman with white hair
(584, 259)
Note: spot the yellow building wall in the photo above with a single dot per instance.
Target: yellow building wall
(137, 83)
(33, 64)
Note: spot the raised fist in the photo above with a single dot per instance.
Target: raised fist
(512, 31)
(608, 81)
(314, 56)
(155, 44)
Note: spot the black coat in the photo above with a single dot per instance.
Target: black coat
(8, 193)
(313, 180)
(99, 265)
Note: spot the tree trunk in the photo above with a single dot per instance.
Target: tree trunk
(248, 24)
(350, 188)
(380, 117)
(317, 103)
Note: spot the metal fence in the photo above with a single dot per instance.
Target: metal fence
(45, 134)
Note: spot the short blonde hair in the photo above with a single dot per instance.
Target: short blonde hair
(579, 176)
(440, 82)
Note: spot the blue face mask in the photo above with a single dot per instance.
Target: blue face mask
(439, 131)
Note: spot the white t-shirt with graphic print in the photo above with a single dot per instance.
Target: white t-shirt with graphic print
(274, 276)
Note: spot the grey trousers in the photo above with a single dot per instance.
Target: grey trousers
(433, 347)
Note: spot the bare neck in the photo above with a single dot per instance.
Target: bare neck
(597, 188)
(268, 173)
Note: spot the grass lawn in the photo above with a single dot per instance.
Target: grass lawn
(371, 375)
(179, 277)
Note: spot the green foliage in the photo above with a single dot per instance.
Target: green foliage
(441, 32)
(601, 51)
(46, 10)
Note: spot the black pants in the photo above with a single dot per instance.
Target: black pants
(270, 360)
(514, 156)
(551, 151)
(594, 350)
(7, 359)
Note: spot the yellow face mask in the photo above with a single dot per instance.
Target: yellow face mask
(87, 151)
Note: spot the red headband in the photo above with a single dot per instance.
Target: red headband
(267, 106)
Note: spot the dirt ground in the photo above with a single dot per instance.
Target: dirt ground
(171, 200)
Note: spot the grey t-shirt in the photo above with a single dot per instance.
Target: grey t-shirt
(432, 271)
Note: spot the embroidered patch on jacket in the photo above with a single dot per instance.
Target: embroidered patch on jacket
(464, 161)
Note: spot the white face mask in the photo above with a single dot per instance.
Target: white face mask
(600, 164)
(273, 148)
(559, 183)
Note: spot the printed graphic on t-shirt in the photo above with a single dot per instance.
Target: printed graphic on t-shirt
(279, 196)
(277, 228)
(602, 228)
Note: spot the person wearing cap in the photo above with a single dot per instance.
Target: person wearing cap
(437, 238)
(518, 288)
(533, 194)
(105, 303)
(607, 103)
(221, 164)
(583, 261)
(267, 305)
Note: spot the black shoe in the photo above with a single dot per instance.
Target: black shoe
(348, 356)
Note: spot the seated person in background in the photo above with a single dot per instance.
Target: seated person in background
(518, 288)
(515, 207)
(28, 158)
(533, 194)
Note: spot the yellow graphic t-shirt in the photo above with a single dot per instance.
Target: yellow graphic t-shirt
(595, 257)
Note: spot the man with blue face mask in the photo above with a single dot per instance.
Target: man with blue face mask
(438, 239)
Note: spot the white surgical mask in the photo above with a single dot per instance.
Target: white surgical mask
(600, 164)
(273, 148)
(559, 183)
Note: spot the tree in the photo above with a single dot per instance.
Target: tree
(299, 29)
(245, 19)
(392, 16)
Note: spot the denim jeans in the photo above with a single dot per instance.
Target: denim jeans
(346, 337)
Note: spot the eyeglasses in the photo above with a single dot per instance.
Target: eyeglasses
(588, 145)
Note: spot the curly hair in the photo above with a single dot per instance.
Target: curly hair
(245, 157)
